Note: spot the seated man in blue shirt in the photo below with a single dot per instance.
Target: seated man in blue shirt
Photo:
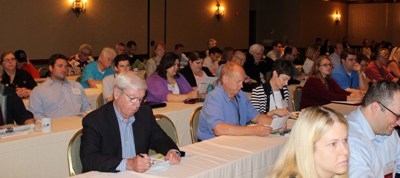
(94, 72)
(227, 109)
(118, 135)
(374, 144)
(58, 97)
(349, 74)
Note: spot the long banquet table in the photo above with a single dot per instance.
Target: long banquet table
(40, 155)
(224, 156)
(344, 109)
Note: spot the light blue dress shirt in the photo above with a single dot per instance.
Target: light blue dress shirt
(55, 99)
(219, 108)
(127, 139)
(371, 156)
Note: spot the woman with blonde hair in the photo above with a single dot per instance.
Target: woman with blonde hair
(312, 55)
(317, 146)
(393, 64)
(152, 63)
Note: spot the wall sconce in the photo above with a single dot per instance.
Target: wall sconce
(219, 11)
(78, 7)
(336, 17)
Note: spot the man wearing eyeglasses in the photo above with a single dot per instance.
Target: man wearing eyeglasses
(376, 70)
(118, 135)
(80, 60)
(374, 143)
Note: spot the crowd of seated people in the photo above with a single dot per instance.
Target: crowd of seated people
(227, 110)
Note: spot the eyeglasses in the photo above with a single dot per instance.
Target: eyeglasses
(133, 99)
(9, 60)
(326, 65)
(397, 115)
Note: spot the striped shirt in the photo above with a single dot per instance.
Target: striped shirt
(261, 100)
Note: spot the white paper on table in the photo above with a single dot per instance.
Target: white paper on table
(202, 88)
(278, 122)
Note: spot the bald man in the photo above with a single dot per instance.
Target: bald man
(227, 109)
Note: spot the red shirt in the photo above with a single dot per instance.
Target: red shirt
(31, 70)
(374, 73)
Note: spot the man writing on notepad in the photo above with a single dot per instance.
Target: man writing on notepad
(227, 109)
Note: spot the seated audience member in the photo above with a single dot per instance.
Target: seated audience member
(58, 97)
(12, 109)
(152, 63)
(311, 56)
(276, 52)
(183, 60)
(290, 54)
(366, 49)
(376, 70)
(118, 136)
(255, 66)
(317, 147)
(326, 47)
(24, 64)
(80, 60)
(227, 53)
(211, 61)
(374, 144)
(393, 64)
(320, 88)
(210, 43)
(227, 109)
(238, 57)
(166, 84)
(120, 48)
(195, 72)
(272, 98)
(131, 51)
(348, 75)
(335, 56)
(94, 73)
(16, 79)
(121, 64)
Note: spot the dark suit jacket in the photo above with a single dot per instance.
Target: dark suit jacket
(12, 107)
(101, 148)
(188, 74)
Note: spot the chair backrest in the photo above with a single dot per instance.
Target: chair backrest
(169, 128)
(43, 71)
(194, 123)
(100, 100)
(296, 98)
(74, 159)
(78, 79)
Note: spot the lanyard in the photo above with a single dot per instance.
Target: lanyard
(236, 103)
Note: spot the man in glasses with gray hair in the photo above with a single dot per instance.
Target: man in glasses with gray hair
(374, 143)
(118, 135)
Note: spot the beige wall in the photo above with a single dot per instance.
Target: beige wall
(383, 24)
(43, 27)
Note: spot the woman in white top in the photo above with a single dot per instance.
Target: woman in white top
(152, 63)
(312, 55)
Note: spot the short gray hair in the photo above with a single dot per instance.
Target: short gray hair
(107, 51)
(256, 47)
(130, 79)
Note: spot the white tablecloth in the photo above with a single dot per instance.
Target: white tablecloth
(45, 155)
(91, 94)
(225, 156)
(342, 108)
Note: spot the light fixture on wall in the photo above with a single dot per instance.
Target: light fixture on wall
(219, 11)
(336, 17)
(78, 7)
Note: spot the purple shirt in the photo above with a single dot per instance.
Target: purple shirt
(157, 87)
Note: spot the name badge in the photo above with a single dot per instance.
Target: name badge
(76, 91)
(389, 169)
(171, 87)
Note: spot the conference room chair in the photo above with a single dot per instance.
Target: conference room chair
(168, 127)
(99, 100)
(43, 72)
(296, 97)
(194, 123)
(74, 160)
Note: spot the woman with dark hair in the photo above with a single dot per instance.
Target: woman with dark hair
(17, 79)
(272, 97)
(166, 84)
(195, 72)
